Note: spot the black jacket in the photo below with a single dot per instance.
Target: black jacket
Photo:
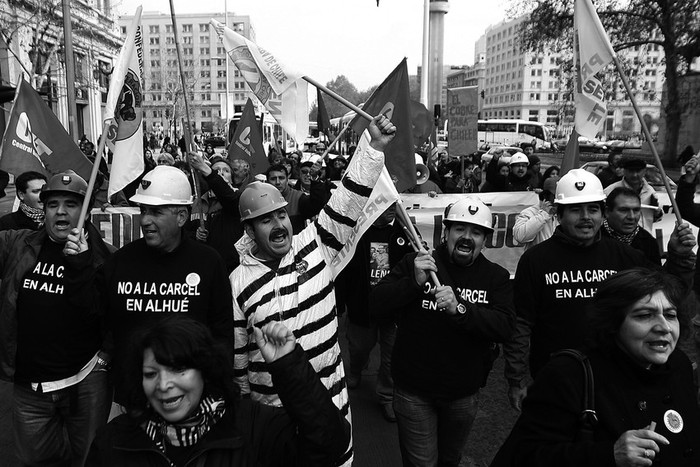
(439, 354)
(309, 431)
(627, 397)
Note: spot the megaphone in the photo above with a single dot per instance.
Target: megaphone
(422, 171)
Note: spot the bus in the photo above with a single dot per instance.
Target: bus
(513, 133)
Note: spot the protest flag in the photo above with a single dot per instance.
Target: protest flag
(35, 139)
(422, 124)
(281, 90)
(323, 122)
(247, 143)
(391, 99)
(383, 195)
(124, 112)
(592, 53)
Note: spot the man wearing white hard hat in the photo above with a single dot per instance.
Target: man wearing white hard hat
(445, 342)
(163, 273)
(556, 280)
(289, 278)
(519, 179)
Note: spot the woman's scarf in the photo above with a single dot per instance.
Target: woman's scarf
(188, 432)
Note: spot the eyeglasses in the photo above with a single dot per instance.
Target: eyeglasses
(305, 171)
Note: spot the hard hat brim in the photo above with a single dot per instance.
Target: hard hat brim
(155, 201)
(262, 211)
(580, 200)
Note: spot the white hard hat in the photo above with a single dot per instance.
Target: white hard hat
(162, 186)
(469, 211)
(579, 186)
(519, 158)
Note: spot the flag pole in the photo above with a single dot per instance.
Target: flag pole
(188, 128)
(338, 97)
(413, 235)
(337, 138)
(647, 135)
(401, 210)
(93, 175)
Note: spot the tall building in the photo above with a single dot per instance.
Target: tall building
(206, 67)
(34, 30)
(531, 86)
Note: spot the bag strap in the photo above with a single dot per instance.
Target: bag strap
(589, 418)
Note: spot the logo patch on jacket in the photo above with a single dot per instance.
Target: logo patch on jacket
(302, 266)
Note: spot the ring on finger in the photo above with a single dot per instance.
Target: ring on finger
(647, 453)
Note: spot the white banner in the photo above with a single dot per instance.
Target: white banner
(592, 52)
(120, 226)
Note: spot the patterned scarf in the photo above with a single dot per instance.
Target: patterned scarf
(35, 214)
(626, 239)
(187, 432)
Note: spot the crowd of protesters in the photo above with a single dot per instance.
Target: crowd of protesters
(216, 334)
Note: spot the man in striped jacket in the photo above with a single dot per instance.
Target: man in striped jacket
(289, 278)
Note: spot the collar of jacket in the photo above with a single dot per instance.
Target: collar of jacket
(562, 237)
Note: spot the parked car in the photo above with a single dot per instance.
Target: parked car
(215, 141)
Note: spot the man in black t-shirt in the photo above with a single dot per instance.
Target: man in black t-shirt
(50, 338)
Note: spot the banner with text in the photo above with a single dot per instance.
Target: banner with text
(120, 226)
(462, 115)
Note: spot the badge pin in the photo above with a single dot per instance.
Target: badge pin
(580, 185)
(302, 266)
(401, 241)
(192, 279)
(673, 421)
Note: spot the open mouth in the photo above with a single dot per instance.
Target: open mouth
(278, 236)
(465, 248)
(171, 403)
(659, 346)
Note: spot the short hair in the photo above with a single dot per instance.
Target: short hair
(276, 168)
(562, 207)
(620, 191)
(611, 157)
(22, 181)
(618, 293)
(177, 342)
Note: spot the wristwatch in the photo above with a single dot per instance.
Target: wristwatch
(461, 309)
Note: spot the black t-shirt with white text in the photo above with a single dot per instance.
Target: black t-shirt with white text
(54, 339)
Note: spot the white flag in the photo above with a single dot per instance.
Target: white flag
(124, 110)
(592, 52)
(383, 195)
(281, 90)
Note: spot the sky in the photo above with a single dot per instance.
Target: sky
(355, 38)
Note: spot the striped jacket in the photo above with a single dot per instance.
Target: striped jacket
(300, 293)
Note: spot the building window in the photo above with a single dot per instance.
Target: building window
(154, 40)
(204, 51)
(187, 50)
(186, 28)
(205, 62)
(169, 28)
(204, 27)
(155, 63)
(205, 74)
(154, 29)
(204, 39)
(169, 40)
(187, 40)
